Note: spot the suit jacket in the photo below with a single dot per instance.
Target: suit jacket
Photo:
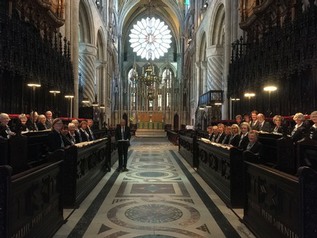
(299, 133)
(244, 142)
(56, 141)
(31, 126)
(254, 126)
(256, 148)
(41, 126)
(220, 137)
(266, 127)
(84, 135)
(234, 141)
(226, 139)
(3, 131)
(72, 138)
(313, 133)
(48, 124)
(90, 133)
(278, 129)
(127, 133)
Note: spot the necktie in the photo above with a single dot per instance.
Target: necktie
(122, 133)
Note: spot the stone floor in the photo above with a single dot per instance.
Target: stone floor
(160, 196)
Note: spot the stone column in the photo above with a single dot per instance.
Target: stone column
(73, 24)
(227, 52)
(87, 65)
(203, 73)
(215, 68)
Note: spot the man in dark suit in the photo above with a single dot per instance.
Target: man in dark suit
(55, 139)
(254, 124)
(263, 125)
(123, 136)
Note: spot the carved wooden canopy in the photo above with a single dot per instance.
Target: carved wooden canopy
(46, 14)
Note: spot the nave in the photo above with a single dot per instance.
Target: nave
(160, 196)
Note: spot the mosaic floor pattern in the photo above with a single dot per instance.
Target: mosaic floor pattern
(159, 197)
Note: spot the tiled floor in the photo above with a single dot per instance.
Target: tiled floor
(160, 196)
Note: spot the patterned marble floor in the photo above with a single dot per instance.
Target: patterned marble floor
(160, 196)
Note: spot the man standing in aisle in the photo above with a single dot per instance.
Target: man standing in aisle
(123, 136)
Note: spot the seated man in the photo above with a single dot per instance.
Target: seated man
(5, 130)
(254, 145)
(264, 126)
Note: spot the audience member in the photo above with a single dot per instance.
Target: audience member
(221, 134)
(227, 137)
(23, 120)
(299, 129)
(313, 129)
(90, 123)
(72, 135)
(235, 135)
(246, 118)
(83, 131)
(244, 140)
(254, 145)
(41, 122)
(277, 120)
(31, 123)
(238, 119)
(5, 131)
(215, 133)
(263, 125)
(254, 124)
(209, 130)
(55, 139)
(49, 119)
(76, 123)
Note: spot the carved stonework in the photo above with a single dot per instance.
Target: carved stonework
(46, 14)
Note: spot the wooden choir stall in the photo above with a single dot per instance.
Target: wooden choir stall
(277, 190)
(35, 185)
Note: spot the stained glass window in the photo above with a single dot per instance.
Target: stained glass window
(150, 38)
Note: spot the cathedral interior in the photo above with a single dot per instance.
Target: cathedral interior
(169, 68)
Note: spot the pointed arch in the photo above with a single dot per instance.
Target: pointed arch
(86, 27)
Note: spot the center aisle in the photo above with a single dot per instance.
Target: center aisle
(160, 196)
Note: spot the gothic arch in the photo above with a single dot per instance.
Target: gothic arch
(86, 28)
(217, 29)
(202, 65)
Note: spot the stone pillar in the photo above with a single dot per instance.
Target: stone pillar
(215, 68)
(73, 37)
(87, 65)
(227, 52)
(203, 68)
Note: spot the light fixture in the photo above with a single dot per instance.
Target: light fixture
(249, 95)
(208, 106)
(34, 85)
(218, 103)
(85, 100)
(70, 97)
(149, 77)
(102, 106)
(55, 92)
(95, 104)
(205, 5)
(270, 88)
(235, 99)
(201, 108)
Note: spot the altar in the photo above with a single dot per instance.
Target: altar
(150, 124)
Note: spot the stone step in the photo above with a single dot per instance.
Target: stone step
(150, 133)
